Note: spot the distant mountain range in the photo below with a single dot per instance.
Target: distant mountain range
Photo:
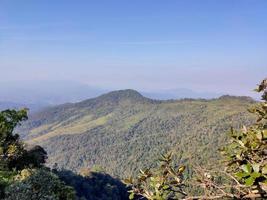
(123, 131)
(39, 94)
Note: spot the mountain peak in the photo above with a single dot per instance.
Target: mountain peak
(122, 94)
(115, 97)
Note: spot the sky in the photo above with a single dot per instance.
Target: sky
(207, 45)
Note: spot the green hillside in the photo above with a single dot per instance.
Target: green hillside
(123, 131)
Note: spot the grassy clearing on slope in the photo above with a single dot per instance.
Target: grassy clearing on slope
(76, 127)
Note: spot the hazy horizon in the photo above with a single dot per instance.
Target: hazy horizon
(207, 46)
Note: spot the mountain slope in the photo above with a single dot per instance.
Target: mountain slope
(123, 131)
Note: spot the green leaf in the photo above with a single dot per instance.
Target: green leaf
(255, 175)
(246, 168)
(131, 196)
(249, 181)
(165, 187)
(254, 145)
(241, 175)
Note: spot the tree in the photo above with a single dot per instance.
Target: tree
(13, 152)
(163, 183)
(22, 175)
(11, 148)
(42, 185)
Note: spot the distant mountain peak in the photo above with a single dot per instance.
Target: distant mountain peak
(115, 97)
(123, 94)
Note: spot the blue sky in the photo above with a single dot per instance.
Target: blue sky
(215, 46)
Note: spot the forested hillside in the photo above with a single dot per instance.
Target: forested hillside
(123, 131)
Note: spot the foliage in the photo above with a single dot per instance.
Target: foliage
(13, 154)
(162, 184)
(11, 147)
(247, 151)
(22, 175)
(6, 178)
(41, 185)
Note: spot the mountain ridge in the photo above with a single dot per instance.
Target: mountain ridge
(132, 94)
(122, 128)
(49, 93)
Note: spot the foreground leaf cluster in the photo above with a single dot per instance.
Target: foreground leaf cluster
(164, 183)
(247, 152)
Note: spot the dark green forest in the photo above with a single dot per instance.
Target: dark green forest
(85, 150)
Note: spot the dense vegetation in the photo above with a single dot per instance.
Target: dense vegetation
(23, 175)
(244, 175)
(123, 131)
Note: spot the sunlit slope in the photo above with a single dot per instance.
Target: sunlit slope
(122, 131)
